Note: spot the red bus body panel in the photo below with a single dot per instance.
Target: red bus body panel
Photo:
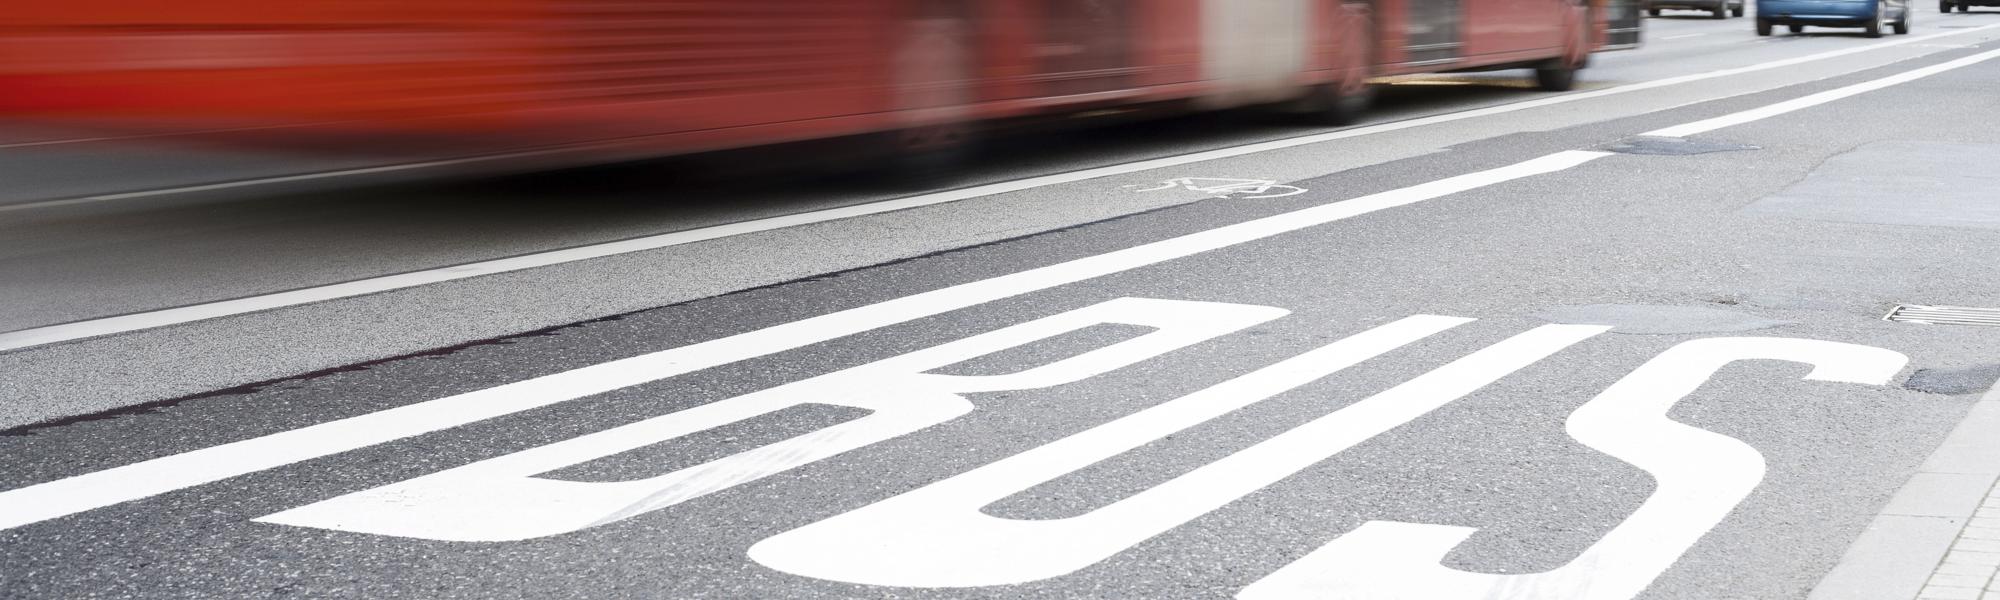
(701, 74)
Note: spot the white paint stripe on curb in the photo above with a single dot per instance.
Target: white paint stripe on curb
(64, 332)
(1902, 555)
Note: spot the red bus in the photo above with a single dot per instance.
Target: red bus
(676, 76)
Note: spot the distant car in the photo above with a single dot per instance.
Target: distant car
(1964, 5)
(1720, 9)
(1870, 15)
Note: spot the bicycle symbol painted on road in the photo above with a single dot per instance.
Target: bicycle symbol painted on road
(1225, 187)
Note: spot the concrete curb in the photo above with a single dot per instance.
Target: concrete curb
(1939, 536)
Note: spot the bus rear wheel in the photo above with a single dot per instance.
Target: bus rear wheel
(1556, 78)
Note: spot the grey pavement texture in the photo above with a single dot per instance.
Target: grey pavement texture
(78, 262)
(1672, 247)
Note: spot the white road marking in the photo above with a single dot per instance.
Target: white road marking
(80, 493)
(501, 499)
(1772, 110)
(937, 536)
(1700, 477)
(1224, 187)
(186, 314)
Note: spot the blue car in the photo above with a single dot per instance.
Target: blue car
(1870, 15)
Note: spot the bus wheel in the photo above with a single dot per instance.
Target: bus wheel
(1337, 104)
(928, 154)
(1557, 78)
(1763, 27)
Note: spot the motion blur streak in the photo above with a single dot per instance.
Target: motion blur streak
(914, 79)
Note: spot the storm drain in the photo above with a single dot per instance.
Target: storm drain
(1944, 315)
(1672, 146)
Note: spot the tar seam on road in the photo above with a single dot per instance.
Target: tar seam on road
(126, 323)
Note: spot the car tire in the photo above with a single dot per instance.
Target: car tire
(1763, 28)
(1903, 24)
(1944, 6)
(1654, 12)
(1736, 12)
(1721, 11)
(1964, 8)
(1874, 27)
(1796, 28)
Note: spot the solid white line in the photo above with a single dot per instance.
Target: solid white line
(1768, 111)
(140, 480)
(173, 316)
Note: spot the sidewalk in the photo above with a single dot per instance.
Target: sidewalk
(1939, 536)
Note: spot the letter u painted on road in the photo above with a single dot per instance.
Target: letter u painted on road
(936, 536)
(501, 499)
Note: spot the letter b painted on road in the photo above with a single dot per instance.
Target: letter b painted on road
(501, 499)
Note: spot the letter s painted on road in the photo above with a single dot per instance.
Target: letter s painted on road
(1701, 476)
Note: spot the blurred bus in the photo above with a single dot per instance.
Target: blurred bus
(663, 77)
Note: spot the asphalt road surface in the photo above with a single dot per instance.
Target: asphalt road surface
(1624, 345)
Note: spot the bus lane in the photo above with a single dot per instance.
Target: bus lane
(1510, 381)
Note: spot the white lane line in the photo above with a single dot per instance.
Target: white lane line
(1772, 110)
(80, 493)
(72, 495)
(173, 316)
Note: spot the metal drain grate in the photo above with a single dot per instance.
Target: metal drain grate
(1944, 315)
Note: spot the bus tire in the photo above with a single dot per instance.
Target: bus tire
(931, 65)
(1556, 78)
(1328, 105)
(1763, 27)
